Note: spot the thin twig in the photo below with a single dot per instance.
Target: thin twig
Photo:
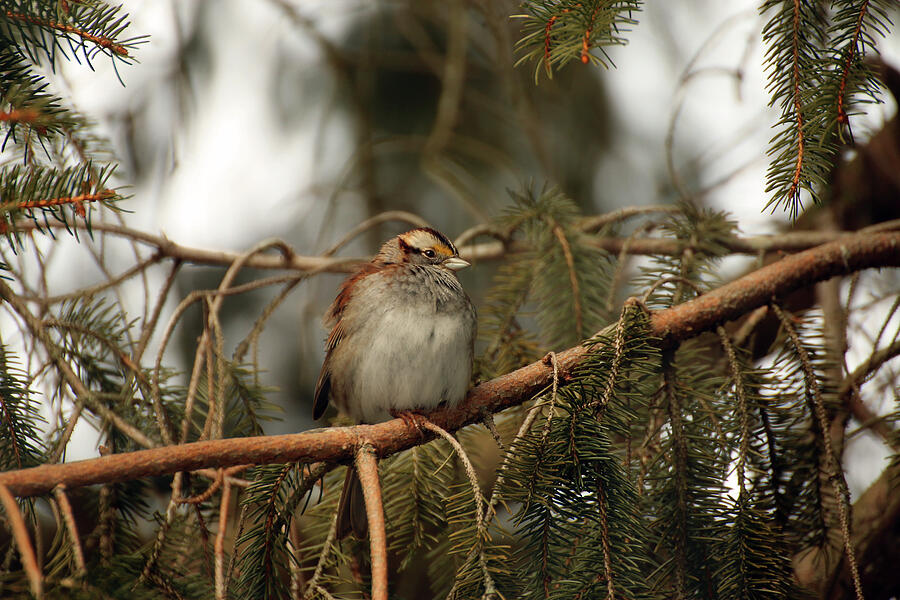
(573, 277)
(313, 583)
(749, 324)
(742, 408)
(221, 590)
(784, 242)
(848, 392)
(193, 384)
(82, 393)
(65, 508)
(620, 263)
(475, 231)
(674, 279)
(138, 268)
(551, 410)
(23, 541)
(163, 530)
(391, 215)
(595, 223)
(293, 544)
(260, 322)
(150, 325)
(618, 355)
(207, 493)
(480, 522)
(367, 468)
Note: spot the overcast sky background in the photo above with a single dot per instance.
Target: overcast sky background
(230, 172)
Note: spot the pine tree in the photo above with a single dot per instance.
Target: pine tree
(684, 442)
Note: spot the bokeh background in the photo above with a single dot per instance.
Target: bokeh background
(298, 119)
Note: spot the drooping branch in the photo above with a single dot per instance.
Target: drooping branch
(336, 444)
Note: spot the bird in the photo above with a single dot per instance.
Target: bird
(402, 331)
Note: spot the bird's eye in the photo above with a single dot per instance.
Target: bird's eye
(429, 253)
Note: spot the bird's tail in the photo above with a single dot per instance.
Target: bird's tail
(352, 508)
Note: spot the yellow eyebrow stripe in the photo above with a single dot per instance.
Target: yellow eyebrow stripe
(424, 239)
(442, 249)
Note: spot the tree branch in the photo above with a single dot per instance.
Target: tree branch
(338, 444)
(785, 242)
(367, 468)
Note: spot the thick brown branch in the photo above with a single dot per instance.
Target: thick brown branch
(845, 255)
(336, 444)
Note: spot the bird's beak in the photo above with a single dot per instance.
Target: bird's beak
(455, 263)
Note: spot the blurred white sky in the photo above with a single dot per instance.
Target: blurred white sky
(234, 174)
(231, 150)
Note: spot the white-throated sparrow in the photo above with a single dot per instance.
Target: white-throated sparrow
(402, 332)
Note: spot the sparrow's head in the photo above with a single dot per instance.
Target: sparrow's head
(422, 246)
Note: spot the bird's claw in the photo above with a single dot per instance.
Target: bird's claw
(413, 420)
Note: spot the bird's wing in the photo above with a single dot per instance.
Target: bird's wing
(323, 390)
(334, 320)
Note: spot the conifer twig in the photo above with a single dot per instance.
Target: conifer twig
(102, 42)
(313, 583)
(618, 354)
(573, 276)
(221, 590)
(551, 411)
(604, 541)
(480, 522)
(65, 508)
(742, 409)
(242, 519)
(82, 394)
(679, 459)
(530, 417)
(836, 474)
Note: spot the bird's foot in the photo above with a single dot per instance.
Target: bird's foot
(414, 420)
